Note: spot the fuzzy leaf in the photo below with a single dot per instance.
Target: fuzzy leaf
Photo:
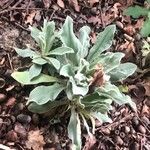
(42, 109)
(44, 37)
(74, 130)
(39, 61)
(61, 51)
(108, 60)
(79, 89)
(69, 39)
(42, 94)
(48, 33)
(136, 11)
(104, 41)
(122, 71)
(34, 71)
(35, 34)
(67, 71)
(85, 41)
(53, 61)
(113, 92)
(24, 78)
(26, 53)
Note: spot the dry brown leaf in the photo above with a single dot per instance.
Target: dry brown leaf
(128, 48)
(35, 140)
(94, 20)
(47, 3)
(90, 142)
(92, 2)
(75, 4)
(61, 3)
(98, 77)
(146, 85)
(30, 18)
(139, 24)
(130, 30)
(145, 110)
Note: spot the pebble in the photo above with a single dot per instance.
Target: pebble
(117, 132)
(137, 36)
(136, 146)
(132, 130)
(135, 121)
(105, 131)
(24, 118)
(127, 129)
(20, 106)
(35, 119)
(142, 129)
(13, 119)
(94, 10)
(122, 134)
(2, 97)
(119, 24)
(2, 82)
(118, 140)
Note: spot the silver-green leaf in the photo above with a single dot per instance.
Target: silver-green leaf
(61, 51)
(122, 71)
(104, 41)
(24, 78)
(34, 71)
(74, 130)
(42, 94)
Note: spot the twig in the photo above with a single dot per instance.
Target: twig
(118, 122)
(15, 23)
(11, 66)
(17, 3)
(27, 9)
(19, 8)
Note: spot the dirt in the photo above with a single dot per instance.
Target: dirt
(21, 129)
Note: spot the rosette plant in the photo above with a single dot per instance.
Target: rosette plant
(84, 83)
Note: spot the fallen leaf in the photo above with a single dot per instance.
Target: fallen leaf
(94, 20)
(139, 23)
(20, 130)
(47, 3)
(90, 142)
(11, 101)
(128, 48)
(145, 110)
(35, 140)
(146, 85)
(98, 79)
(75, 4)
(60, 3)
(30, 18)
(130, 30)
(92, 2)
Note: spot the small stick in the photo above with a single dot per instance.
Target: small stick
(11, 66)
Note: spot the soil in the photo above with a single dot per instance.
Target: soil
(23, 130)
